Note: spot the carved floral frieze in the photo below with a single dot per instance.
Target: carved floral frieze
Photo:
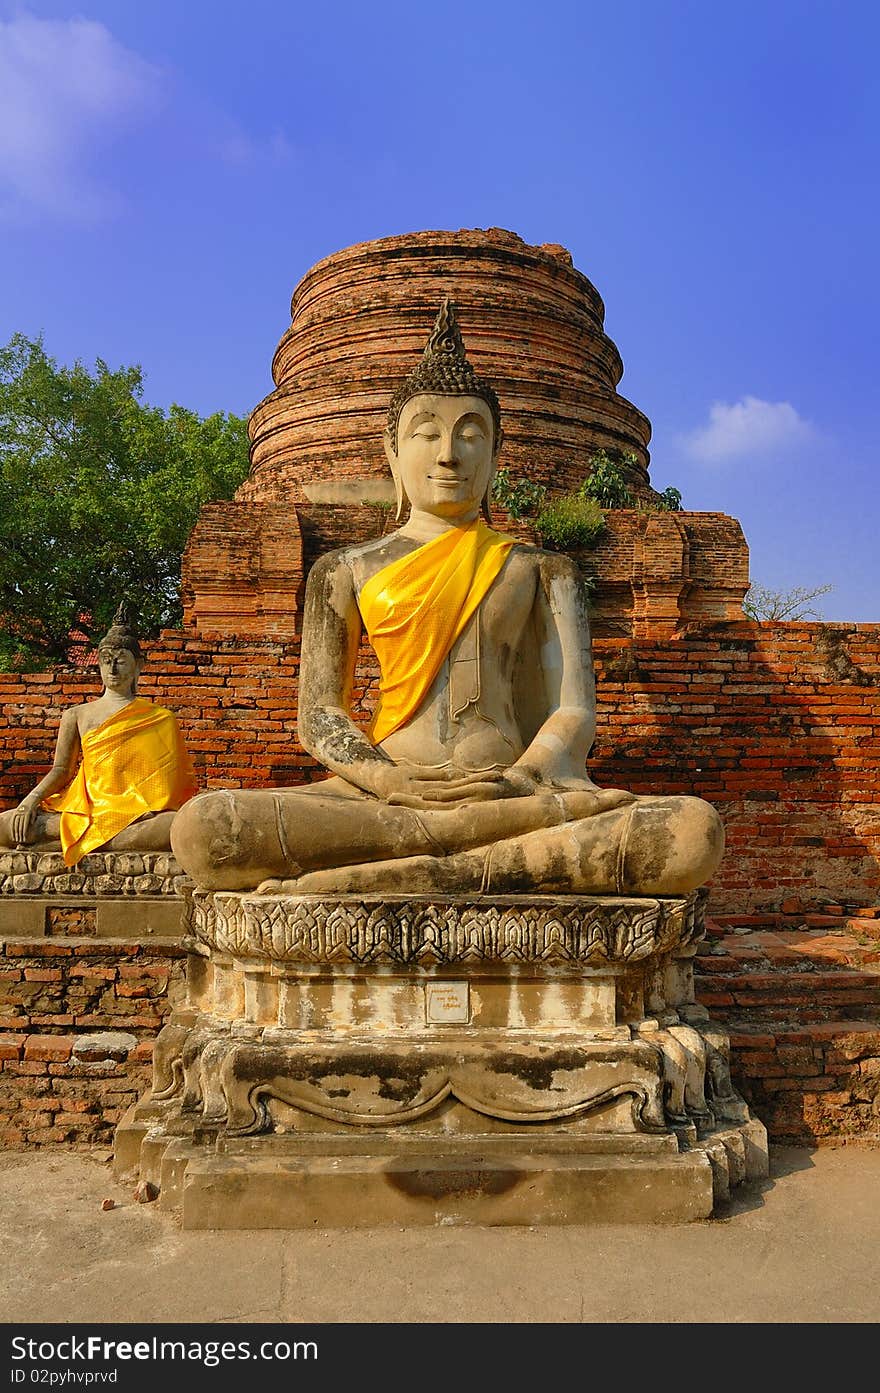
(588, 930)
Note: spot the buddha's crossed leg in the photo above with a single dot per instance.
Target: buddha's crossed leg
(332, 839)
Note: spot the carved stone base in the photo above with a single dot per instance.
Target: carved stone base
(120, 894)
(497, 1060)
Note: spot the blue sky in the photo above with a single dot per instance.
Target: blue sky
(169, 170)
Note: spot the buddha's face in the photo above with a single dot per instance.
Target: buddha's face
(119, 669)
(445, 455)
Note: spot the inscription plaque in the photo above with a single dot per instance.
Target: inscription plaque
(446, 1003)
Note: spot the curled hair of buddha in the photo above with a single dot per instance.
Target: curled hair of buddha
(444, 369)
(122, 632)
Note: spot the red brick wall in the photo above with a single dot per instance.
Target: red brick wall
(52, 985)
(777, 725)
(47, 1095)
(820, 1083)
(52, 993)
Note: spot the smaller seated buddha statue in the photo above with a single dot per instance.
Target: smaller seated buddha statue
(120, 773)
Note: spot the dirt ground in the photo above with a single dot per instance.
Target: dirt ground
(801, 1247)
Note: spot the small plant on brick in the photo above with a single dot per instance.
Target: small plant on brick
(606, 483)
(670, 500)
(520, 498)
(384, 515)
(571, 520)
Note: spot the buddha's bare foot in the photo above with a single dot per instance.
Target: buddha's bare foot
(614, 798)
(276, 886)
(408, 875)
(43, 845)
(589, 802)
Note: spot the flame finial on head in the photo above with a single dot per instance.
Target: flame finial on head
(122, 632)
(444, 369)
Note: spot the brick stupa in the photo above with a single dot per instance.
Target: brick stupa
(533, 326)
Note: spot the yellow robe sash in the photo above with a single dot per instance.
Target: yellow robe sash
(415, 608)
(133, 763)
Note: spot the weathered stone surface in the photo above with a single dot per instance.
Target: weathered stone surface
(106, 1044)
(525, 1187)
(553, 1059)
(572, 930)
(110, 873)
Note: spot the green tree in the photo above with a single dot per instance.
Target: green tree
(98, 493)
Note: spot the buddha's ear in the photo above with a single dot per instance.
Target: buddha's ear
(484, 502)
(391, 456)
(497, 443)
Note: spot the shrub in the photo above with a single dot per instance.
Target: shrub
(571, 520)
(518, 497)
(759, 603)
(606, 482)
(670, 501)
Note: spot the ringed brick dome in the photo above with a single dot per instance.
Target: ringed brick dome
(532, 326)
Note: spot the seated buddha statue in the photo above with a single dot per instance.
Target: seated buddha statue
(120, 770)
(471, 777)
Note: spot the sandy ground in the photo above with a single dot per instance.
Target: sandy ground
(802, 1247)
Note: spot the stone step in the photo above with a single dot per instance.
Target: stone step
(799, 950)
(791, 977)
(860, 921)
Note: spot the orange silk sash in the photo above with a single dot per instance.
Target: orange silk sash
(415, 608)
(134, 763)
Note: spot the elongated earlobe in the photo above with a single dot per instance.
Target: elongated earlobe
(487, 496)
(399, 492)
(400, 497)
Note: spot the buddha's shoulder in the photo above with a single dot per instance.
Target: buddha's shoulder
(549, 565)
(355, 564)
(348, 557)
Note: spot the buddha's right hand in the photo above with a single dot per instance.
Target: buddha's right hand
(22, 822)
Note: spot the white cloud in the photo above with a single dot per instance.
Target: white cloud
(66, 89)
(747, 427)
(237, 148)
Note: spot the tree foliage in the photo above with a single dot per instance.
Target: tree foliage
(760, 603)
(606, 482)
(98, 493)
(520, 498)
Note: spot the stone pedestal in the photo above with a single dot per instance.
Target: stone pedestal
(422, 1060)
(108, 894)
